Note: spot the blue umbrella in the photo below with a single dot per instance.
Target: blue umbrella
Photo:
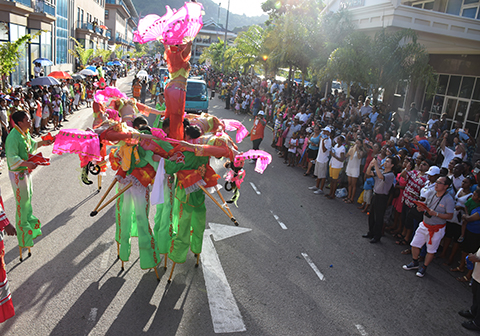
(44, 81)
(117, 63)
(43, 61)
(110, 63)
(91, 67)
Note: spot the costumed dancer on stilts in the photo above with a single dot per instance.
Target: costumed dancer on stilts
(6, 306)
(19, 149)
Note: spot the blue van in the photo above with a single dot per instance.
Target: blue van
(197, 96)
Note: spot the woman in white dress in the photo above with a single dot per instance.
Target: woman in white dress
(354, 156)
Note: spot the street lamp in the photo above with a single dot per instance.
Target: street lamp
(225, 42)
(265, 58)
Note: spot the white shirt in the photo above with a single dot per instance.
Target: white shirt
(337, 150)
(322, 157)
(364, 110)
(449, 155)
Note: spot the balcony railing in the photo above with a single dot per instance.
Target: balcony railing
(43, 7)
(24, 2)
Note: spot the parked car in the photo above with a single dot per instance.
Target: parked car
(197, 96)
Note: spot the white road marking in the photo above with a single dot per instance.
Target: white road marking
(313, 266)
(91, 320)
(361, 329)
(283, 226)
(106, 255)
(226, 316)
(255, 188)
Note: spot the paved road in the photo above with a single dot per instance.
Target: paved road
(303, 269)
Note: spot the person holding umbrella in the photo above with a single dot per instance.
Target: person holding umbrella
(37, 70)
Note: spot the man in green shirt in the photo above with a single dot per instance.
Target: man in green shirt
(18, 146)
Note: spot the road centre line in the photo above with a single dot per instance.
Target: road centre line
(255, 188)
(313, 266)
(283, 226)
(361, 329)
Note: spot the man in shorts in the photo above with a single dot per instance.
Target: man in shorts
(439, 208)
(321, 166)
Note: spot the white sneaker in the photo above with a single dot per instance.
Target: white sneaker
(313, 188)
(318, 192)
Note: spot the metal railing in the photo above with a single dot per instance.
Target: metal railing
(40, 6)
(24, 2)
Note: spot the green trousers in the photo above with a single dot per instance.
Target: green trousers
(164, 217)
(188, 225)
(28, 226)
(134, 208)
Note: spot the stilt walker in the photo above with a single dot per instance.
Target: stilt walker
(6, 306)
(19, 148)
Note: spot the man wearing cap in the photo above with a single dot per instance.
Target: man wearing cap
(439, 208)
(321, 166)
(258, 129)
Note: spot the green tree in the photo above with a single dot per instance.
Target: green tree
(81, 53)
(103, 53)
(247, 48)
(10, 52)
(214, 55)
(293, 37)
(351, 62)
(398, 57)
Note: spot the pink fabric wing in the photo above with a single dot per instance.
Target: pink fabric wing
(105, 96)
(75, 141)
(232, 125)
(263, 159)
(149, 28)
(184, 25)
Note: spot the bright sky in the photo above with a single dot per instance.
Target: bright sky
(247, 7)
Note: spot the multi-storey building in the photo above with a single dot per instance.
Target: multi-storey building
(210, 33)
(94, 23)
(121, 16)
(450, 31)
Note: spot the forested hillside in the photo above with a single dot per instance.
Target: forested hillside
(211, 12)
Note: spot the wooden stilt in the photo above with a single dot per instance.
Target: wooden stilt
(214, 200)
(123, 266)
(171, 273)
(165, 259)
(104, 196)
(198, 260)
(120, 192)
(29, 252)
(223, 200)
(118, 250)
(156, 273)
(99, 182)
(219, 205)
(20, 248)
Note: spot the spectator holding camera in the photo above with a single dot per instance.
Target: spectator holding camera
(438, 208)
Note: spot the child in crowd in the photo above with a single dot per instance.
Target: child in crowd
(56, 111)
(292, 149)
(367, 193)
(89, 96)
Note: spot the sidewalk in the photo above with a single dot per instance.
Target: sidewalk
(78, 120)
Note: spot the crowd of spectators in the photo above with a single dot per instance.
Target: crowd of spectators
(341, 142)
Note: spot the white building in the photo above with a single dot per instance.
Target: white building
(450, 30)
(210, 33)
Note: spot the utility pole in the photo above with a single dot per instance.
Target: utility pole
(225, 41)
(218, 20)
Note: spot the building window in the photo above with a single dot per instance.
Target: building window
(106, 14)
(424, 5)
